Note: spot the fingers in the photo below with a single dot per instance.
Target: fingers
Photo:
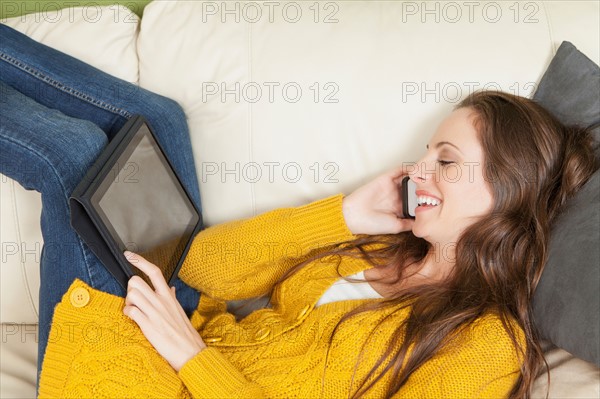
(135, 314)
(135, 297)
(152, 271)
(170, 306)
(398, 173)
(150, 302)
(137, 286)
(150, 309)
(146, 310)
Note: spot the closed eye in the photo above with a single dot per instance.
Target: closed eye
(444, 163)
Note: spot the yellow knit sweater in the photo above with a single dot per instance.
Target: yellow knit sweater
(95, 351)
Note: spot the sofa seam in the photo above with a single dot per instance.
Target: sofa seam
(53, 169)
(21, 261)
(138, 34)
(549, 25)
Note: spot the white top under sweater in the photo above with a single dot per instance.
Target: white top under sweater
(338, 291)
(343, 290)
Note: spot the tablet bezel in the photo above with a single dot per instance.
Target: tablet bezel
(132, 133)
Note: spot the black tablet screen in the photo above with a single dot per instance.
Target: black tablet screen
(144, 206)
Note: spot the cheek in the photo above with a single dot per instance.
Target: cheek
(470, 194)
(484, 191)
(482, 202)
(478, 196)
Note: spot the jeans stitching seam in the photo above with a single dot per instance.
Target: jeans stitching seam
(62, 87)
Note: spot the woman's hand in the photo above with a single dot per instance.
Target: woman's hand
(376, 207)
(160, 316)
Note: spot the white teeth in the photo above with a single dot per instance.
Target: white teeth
(423, 200)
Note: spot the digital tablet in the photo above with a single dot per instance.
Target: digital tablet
(136, 202)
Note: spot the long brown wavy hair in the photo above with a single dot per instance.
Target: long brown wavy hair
(533, 165)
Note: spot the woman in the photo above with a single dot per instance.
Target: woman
(455, 317)
(444, 310)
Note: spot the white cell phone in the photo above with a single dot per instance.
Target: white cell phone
(409, 197)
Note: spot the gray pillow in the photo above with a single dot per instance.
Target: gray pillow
(566, 304)
(570, 89)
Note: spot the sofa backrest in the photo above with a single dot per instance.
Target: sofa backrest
(291, 101)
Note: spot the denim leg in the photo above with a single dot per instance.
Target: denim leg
(47, 151)
(54, 125)
(77, 89)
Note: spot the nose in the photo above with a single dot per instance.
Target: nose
(418, 174)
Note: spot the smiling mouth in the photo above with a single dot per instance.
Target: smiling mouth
(424, 201)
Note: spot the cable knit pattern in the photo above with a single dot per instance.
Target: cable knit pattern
(282, 351)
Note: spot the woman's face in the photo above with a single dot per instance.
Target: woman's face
(450, 177)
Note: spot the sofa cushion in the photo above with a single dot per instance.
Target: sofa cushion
(567, 300)
(570, 377)
(18, 363)
(570, 89)
(104, 37)
(282, 112)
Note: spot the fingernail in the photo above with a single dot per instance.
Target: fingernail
(128, 253)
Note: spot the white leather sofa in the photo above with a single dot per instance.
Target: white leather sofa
(289, 102)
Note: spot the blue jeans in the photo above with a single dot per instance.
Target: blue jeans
(56, 116)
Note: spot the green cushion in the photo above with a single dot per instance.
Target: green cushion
(9, 9)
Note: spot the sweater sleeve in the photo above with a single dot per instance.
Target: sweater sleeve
(210, 375)
(483, 364)
(244, 258)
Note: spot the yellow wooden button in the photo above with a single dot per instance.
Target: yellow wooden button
(211, 340)
(80, 297)
(303, 312)
(262, 334)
